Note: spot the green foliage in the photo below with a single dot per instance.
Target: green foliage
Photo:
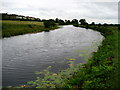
(75, 22)
(83, 22)
(49, 24)
(93, 23)
(100, 70)
(61, 22)
(54, 80)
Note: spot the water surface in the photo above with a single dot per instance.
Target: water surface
(25, 54)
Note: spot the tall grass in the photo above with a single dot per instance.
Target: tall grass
(101, 70)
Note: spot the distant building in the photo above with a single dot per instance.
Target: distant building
(21, 17)
(12, 16)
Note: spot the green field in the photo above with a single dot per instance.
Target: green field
(13, 28)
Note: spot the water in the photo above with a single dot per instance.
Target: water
(24, 54)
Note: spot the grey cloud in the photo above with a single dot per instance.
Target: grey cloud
(73, 9)
(104, 11)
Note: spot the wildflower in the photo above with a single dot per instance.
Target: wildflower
(24, 86)
(54, 74)
(72, 59)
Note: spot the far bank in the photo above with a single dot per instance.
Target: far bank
(13, 28)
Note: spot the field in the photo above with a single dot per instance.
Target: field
(13, 28)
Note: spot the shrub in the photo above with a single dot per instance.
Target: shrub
(49, 24)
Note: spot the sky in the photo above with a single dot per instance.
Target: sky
(98, 11)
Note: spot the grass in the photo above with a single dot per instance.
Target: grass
(101, 70)
(13, 28)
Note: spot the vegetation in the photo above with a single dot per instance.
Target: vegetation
(101, 69)
(49, 24)
(54, 80)
(19, 27)
(12, 28)
(83, 22)
(99, 72)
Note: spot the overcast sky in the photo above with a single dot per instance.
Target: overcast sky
(99, 11)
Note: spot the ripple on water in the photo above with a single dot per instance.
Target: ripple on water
(25, 54)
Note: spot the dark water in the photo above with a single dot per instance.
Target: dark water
(23, 55)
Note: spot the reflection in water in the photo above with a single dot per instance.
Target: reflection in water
(25, 54)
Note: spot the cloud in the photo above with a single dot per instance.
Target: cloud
(96, 10)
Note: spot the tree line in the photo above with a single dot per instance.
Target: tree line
(75, 22)
(51, 22)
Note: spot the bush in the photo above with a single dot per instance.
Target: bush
(49, 24)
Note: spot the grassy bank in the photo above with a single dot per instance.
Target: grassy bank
(13, 28)
(101, 70)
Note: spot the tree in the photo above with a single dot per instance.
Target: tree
(57, 20)
(74, 21)
(93, 23)
(83, 22)
(61, 22)
(67, 22)
(52, 20)
(118, 27)
(49, 24)
(99, 24)
(105, 24)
